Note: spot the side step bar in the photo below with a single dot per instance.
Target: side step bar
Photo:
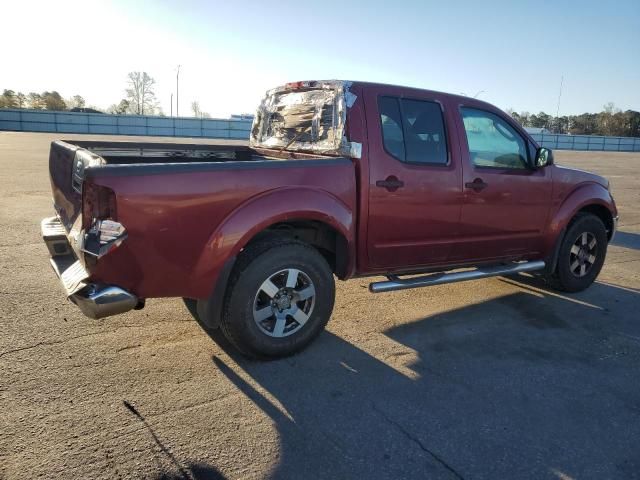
(395, 283)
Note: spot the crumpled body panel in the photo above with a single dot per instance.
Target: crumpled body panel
(306, 117)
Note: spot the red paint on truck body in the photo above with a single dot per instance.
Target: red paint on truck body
(183, 227)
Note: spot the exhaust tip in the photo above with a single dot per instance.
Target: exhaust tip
(99, 301)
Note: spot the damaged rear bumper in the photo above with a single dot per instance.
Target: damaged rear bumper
(94, 300)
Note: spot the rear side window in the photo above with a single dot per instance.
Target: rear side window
(413, 130)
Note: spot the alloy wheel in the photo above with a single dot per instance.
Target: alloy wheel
(284, 302)
(583, 254)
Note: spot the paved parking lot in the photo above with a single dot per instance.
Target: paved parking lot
(498, 378)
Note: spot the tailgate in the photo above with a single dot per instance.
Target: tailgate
(66, 171)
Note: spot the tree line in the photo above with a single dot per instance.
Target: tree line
(140, 99)
(611, 121)
(40, 101)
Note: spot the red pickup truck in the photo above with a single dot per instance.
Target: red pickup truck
(339, 178)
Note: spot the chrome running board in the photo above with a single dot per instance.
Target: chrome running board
(396, 283)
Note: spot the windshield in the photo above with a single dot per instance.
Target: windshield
(305, 116)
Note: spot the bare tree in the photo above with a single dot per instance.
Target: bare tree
(195, 108)
(77, 101)
(21, 100)
(197, 111)
(140, 94)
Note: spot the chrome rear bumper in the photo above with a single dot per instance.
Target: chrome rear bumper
(94, 300)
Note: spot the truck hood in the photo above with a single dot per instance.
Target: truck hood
(576, 176)
(306, 116)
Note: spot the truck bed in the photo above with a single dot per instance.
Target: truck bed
(175, 200)
(145, 152)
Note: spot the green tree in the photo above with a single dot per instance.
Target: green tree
(8, 99)
(35, 101)
(53, 101)
(121, 108)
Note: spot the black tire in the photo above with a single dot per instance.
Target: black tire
(272, 260)
(192, 306)
(569, 276)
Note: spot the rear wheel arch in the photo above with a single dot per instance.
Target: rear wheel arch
(319, 219)
(329, 241)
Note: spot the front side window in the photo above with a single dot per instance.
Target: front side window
(492, 141)
(413, 130)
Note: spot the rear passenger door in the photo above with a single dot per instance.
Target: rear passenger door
(414, 180)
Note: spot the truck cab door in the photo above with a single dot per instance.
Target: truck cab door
(414, 180)
(506, 202)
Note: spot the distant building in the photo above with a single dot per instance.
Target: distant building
(84, 110)
(242, 116)
(537, 130)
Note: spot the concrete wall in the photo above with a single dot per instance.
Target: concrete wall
(588, 142)
(97, 123)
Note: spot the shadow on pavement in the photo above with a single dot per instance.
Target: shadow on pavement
(191, 471)
(627, 240)
(534, 384)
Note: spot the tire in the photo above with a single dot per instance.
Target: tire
(192, 306)
(279, 298)
(581, 254)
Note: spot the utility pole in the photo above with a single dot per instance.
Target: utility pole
(171, 105)
(558, 109)
(177, 92)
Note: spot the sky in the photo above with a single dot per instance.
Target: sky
(510, 53)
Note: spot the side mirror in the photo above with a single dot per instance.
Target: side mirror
(544, 157)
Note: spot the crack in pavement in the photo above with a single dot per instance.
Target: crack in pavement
(57, 342)
(418, 442)
(28, 347)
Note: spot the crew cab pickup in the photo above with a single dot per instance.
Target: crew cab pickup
(343, 179)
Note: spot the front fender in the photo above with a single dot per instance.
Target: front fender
(260, 212)
(584, 195)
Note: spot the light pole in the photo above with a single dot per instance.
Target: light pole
(177, 92)
(476, 95)
(171, 105)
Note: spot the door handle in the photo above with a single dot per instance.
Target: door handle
(476, 185)
(391, 183)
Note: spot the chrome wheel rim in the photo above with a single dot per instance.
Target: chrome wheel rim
(284, 302)
(583, 254)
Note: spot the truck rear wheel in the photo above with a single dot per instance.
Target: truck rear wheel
(581, 254)
(280, 297)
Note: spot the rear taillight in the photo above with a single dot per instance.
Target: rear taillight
(99, 220)
(98, 203)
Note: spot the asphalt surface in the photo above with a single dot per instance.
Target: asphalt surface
(498, 378)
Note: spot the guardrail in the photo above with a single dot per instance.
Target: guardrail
(99, 123)
(588, 142)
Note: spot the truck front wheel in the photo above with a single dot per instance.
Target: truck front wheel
(581, 254)
(279, 298)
